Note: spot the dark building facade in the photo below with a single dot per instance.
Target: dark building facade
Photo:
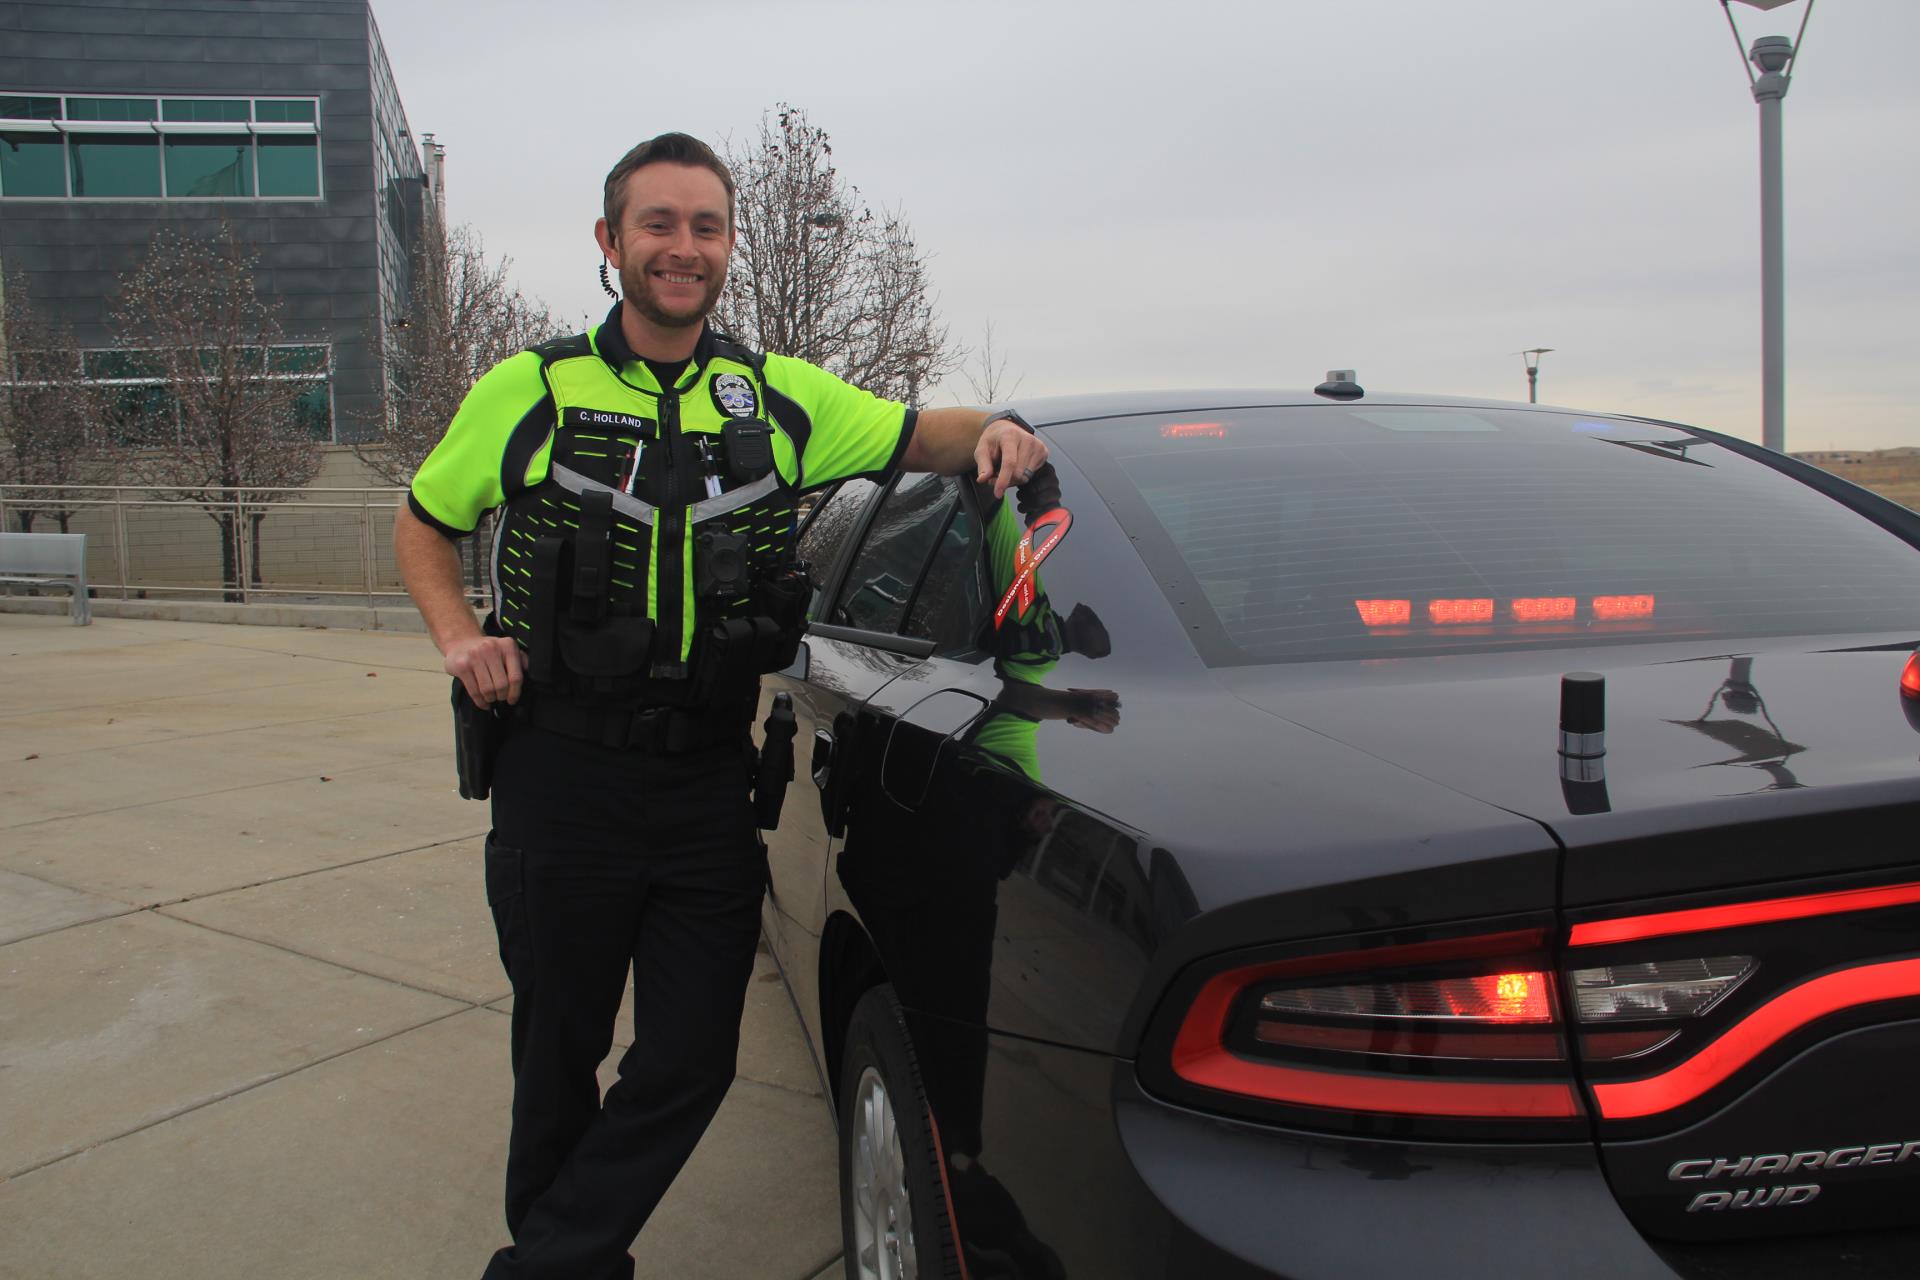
(119, 118)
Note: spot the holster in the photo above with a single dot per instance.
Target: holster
(776, 764)
(477, 734)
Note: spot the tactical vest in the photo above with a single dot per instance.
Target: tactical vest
(654, 563)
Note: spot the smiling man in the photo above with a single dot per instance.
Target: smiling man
(646, 475)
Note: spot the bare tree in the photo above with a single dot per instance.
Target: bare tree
(989, 384)
(229, 416)
(818, 275)
(465, 316)
(49, 419)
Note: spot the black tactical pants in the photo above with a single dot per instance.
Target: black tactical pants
(601, 862)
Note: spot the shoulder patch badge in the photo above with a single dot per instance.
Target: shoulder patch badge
(734, 396)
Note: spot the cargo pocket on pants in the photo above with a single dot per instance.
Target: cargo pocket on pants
(506, 898)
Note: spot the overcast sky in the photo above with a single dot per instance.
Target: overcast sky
(1220, 193)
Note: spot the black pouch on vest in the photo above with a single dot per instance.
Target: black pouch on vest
(613, 649)
(749, 446)
(592, 557)
(781, 597)
(723, 660)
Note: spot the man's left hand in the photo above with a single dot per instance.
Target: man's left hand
(1008, 456)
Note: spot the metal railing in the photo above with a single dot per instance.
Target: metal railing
(239, 544)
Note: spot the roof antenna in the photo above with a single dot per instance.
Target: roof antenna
(1339, 386)
(1583, 742)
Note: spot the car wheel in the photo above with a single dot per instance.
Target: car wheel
(893, 1210)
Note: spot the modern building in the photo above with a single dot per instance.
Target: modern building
(122, 117)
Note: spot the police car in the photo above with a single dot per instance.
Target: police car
(1377, 836)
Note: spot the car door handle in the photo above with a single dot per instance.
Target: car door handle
(822, 763)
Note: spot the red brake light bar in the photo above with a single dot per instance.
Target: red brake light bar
(1194, 430)
(1754, 1034)
(1385, 613)
(1733, 915)
(1445, 611)
(1481, 609)
(1614, 608)
(1543, 609)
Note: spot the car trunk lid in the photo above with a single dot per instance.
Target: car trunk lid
(1741, 892)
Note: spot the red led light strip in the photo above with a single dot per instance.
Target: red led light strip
(1699, 919)
(1445, 612)
(1756, 1033)
(1394, 1095)
(1448, 612)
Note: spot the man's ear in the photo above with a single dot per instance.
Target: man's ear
(604, 234)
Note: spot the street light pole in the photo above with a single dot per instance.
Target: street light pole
(1771, 54)
(1774, 56)
(1532, 358)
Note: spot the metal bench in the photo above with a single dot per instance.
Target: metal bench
(49, 560)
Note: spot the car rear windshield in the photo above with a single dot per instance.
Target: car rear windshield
(1286, 534)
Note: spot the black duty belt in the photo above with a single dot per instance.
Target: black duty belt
(664, 731)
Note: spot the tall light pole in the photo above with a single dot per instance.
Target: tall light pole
(1774, 56)
(1532, 357)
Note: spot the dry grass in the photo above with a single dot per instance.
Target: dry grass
(1892, 473)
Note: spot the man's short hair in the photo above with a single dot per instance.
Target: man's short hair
(668, 148)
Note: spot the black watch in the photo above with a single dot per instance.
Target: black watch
(1007, 415)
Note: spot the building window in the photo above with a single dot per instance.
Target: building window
(202, 165)
(283, 111)
(129, 148)
(142, 410)
(116, 109)
(15, 107)
(109, 165)
(32, 164)
(205, 110)
(289, 166)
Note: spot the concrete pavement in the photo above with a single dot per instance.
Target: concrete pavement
(251, 1018)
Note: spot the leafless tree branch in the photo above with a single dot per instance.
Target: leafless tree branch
(49, 416)
(819, 275)
(987, 376)
(466, 315)
(228, 416)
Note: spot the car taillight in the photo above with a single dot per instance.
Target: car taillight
(1910, 677)
(1682, 988)
(1674, 1009)
(1450, 1037)
(1659, 992)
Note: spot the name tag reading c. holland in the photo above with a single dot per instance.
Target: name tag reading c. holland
(608, 420)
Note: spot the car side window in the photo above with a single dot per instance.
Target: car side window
(880, 582)
(951, 604)
(826, 531)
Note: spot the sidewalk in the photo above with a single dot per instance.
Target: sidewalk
(251, 1018)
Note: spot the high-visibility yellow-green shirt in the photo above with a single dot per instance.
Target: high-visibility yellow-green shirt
(500, 440)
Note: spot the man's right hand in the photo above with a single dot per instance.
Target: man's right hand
(489, 667)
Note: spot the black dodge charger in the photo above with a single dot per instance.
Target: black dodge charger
(1333, 835)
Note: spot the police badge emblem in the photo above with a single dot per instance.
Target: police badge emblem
(734, 395)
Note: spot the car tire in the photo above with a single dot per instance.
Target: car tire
(893, 1206)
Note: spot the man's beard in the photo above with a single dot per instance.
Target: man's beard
(637, 286)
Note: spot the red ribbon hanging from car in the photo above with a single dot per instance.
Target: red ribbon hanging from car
(1051, 526)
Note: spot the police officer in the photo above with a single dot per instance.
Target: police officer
(646, 475)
